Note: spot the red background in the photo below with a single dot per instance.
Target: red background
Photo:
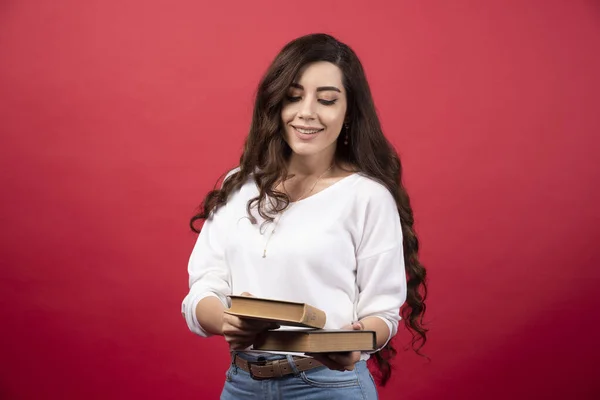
(118, 116)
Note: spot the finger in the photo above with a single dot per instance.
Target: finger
(249, 324)
(358, 326)
(236, 327)
(326, 361)
(347, 359)
(239, 335)
(354, 326)
(343, 359)
(259, 325)
(247, 294)
(237, 342)
(239, 345)
(243, 324)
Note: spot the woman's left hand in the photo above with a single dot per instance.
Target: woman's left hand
(340, 361)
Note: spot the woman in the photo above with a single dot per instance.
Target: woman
(315, 213)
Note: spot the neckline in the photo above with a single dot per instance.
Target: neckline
(334, 184)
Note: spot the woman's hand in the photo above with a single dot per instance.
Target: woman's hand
(241, 333)
(340, 361)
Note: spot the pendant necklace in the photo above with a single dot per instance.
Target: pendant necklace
(278, 217)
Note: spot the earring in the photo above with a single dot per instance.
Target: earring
(346, 137)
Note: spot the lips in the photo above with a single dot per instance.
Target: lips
(306, 130)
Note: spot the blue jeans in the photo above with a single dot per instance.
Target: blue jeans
(318, 383)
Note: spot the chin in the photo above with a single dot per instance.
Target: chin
(309, 149)
(304, 150)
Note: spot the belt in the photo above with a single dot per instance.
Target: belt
(275, 368)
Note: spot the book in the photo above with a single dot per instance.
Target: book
(278, 311)
(316, 341)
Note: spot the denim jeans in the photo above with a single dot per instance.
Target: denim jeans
(318, 383)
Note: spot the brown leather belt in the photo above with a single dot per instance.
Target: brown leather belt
(275, 368)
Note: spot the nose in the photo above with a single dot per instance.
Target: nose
(307, 111)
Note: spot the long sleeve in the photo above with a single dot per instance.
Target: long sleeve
(381, 275)
(208, 272)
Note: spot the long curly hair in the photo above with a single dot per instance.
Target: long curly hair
(266, 153)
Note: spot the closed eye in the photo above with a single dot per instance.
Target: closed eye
(293, 99)
(327, 102)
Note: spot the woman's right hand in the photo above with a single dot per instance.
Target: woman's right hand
(241, 333)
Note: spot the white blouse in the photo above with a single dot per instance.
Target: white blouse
(339, 250)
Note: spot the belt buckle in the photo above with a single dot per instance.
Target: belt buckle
(260, 363)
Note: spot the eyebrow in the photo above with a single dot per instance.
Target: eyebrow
(319, 89)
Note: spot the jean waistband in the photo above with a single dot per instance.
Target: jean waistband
(259, 356)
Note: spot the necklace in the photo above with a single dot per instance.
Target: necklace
(276, 221)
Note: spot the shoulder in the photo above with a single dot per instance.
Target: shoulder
(246, 182)
(230, 173)
(243, 190)
(376, 217)
(368, 199)
(369, 190)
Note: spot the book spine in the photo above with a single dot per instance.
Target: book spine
(314, 317)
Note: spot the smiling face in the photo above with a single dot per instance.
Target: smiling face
(314, 110)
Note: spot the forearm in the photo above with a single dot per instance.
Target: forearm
(381, 329)
(209, 313)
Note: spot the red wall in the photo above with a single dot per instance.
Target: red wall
(117, 117)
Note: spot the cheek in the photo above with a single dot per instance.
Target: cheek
(333, 119)
(287, 113)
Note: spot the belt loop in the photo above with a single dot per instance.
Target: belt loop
(276, 368)
(290, 360)
(233, 364)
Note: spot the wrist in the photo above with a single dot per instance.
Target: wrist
(210, 313)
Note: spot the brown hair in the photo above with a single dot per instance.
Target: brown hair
(265, 155)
